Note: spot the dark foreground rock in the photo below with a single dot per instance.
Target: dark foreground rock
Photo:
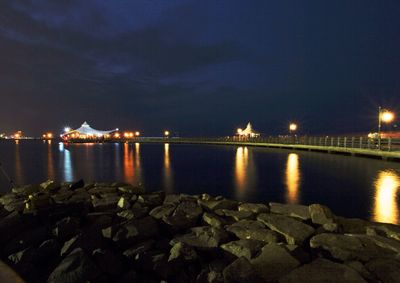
(77, 232)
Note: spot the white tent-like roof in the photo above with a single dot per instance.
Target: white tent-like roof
(248, 131)
(85, 129)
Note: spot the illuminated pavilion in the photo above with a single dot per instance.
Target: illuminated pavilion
(87, 132)
(248, 132)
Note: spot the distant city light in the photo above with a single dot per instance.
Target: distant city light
(67, 129)
(239, 130)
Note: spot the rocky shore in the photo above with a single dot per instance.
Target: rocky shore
(77, 232)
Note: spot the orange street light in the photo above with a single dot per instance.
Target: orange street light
(292, 127)
(384, 116)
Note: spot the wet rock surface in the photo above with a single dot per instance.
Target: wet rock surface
(115, 232)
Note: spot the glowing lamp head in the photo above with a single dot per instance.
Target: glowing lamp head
(387, 116)
(137, 134)
(166, 133)
(239, 131)
(293, 127)
(67, 129)
(117, 135)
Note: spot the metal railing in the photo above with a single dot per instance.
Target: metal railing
(360, 142)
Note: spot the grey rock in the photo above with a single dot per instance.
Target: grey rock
(66, 228)
(131, 189)
(294, 231)
(185, 215)
(124, 203)
(213, 220)
(252, 230)
(293, 210)
(321, 214)
(138, 249)
(352, 225)
(243, 248)
(136, 229)
(323, 270)
(172, 199)
(162, 211)
(234, 214)
(256, 208)
(385, 270)
(77, 185)
(214, 204)
(26, 190)
(106, 203)
(48, 250)
(76, 267)
(240, 271)
(151, 200)
(22, 257)
(182, 251)
(348, 247)
(383, 242)
(205, 237)
(107, 261)
(388, 230)
(274, 262)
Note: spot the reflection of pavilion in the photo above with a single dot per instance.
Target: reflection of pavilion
(386, 208)
(292, 178)
(245, 173)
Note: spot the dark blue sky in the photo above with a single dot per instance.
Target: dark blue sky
(198, 67)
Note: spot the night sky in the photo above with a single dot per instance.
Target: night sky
(198, 67)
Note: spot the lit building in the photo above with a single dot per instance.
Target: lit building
(87, 132)
(248, 132)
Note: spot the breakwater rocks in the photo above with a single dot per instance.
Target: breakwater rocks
(80, 232)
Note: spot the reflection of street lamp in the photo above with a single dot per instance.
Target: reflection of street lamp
(384, 116)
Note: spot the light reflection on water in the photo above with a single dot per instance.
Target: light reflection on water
(387, 185)
(167, 171)
(354, 186)
(245, 176)
(292, 178)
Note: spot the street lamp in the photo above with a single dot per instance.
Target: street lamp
(292, 127)
(137, 134)
(384, 116)
(166, 133)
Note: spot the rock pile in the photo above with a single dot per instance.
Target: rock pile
(77, 232)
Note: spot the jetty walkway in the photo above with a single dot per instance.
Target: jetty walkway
(353, 146)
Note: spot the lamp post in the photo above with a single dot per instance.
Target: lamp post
(166, 134)
(384, 116)
(292, 129)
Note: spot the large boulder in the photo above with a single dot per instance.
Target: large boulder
(161, 211)
(136, 229)
(252, 230)
(256, 208)
(235, 214)
(66, 228)
(76, 267)
(385, 270)
(321, 214)
(205, 237)
(243, 248)
(274, 262)
(294, 231)
(348, 247)
(241, 271)
(323, 270)
(213, 219)
(185, 215)
(293, 210)
(107, 261)
(181, 251)
(220, 203)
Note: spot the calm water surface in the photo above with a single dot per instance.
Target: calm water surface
(351, 186)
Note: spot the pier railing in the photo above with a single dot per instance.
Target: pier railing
(386, 144)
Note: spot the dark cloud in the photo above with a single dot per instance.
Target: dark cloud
(197, 66)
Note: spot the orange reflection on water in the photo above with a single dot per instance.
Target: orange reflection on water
(167, 171)
(292, 178)
(128, 164)
(138, 166)
(50, 162)
(386, 208)
(245, 172)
